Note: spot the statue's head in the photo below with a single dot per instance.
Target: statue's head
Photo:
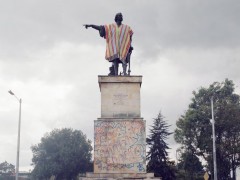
(118, 18)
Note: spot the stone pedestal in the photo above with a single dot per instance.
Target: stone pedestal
(120, 132)
(119, 146)
(120, 96)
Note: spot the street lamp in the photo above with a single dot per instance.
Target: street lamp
(19, 128)
(214, 142)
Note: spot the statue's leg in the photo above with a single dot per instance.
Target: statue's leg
(111, 69)
(116, 67)
(124, 65)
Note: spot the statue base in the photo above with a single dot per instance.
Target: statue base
(119, 146)
(119, 176)
(120, 133)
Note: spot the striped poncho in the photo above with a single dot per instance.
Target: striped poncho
(118, 41)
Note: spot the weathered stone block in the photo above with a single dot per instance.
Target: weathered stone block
(118, 176)
(120, 96)
(119, 146)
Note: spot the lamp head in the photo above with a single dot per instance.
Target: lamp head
(10, 92)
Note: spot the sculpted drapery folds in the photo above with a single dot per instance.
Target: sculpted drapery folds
(118, 41)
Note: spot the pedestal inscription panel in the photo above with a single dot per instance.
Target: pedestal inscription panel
(120, 96)
(119, 146)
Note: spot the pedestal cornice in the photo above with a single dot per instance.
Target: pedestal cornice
(119, 79)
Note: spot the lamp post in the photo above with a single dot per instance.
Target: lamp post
(177, 156)
(19, 128)
(214, 142)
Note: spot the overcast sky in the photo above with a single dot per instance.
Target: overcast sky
(50, 61)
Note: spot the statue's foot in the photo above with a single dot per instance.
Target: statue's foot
(123, 74)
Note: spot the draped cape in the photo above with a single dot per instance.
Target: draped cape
(118, 41)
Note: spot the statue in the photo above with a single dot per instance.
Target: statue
(118, 44)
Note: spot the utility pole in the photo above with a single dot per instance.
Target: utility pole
(19, 129)
(214, 142)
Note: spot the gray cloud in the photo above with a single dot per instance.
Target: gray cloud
(157, 24)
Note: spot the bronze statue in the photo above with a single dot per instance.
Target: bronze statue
(118, 43)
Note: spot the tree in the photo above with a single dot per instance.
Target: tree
(6, 169)
(194, 128)
(63, 153)
(190, 163)
(157, 156)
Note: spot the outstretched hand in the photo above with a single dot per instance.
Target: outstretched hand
(92, 26)
(86, 26)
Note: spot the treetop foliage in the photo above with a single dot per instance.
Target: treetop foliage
(157, 156)
(6, 168)
(194, 128)
(63, 153)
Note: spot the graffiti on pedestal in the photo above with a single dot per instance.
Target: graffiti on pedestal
(119, 146)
